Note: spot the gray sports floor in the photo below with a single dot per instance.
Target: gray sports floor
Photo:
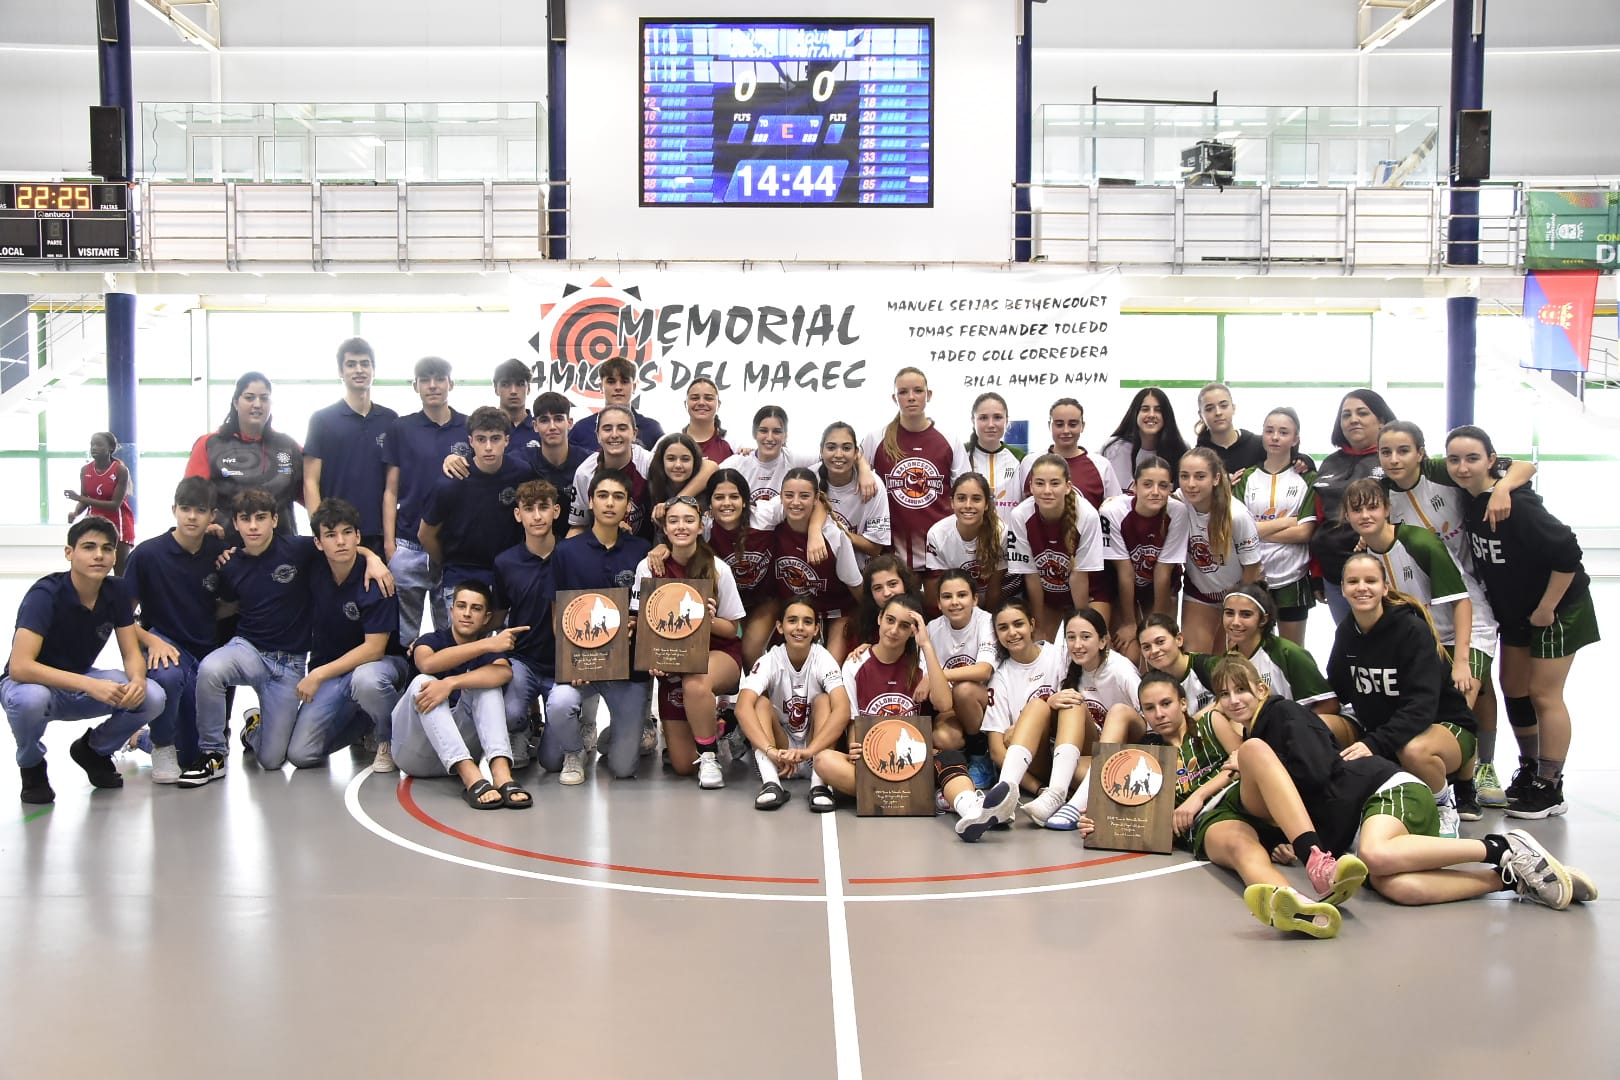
(333, 923)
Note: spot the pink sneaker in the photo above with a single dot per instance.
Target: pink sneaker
(1319, 867)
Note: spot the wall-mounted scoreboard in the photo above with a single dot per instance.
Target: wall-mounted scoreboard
(65, 221)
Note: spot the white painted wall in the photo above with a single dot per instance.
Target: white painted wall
(973, 153)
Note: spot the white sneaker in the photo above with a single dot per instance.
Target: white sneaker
(1044, 805)
(709, 774)
(165, 765)
(573, 770)
(1534, 874)
(384, 761)
(1450, 821)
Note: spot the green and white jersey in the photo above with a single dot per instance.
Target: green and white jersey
(1273, 495)
(1436, 503)
(1420, 565)
(1288, 669)
(1199, 696)
(1198, 758)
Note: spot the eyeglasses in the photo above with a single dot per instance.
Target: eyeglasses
(683, 500)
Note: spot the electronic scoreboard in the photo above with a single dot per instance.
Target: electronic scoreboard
(829, 112)
(64, 221)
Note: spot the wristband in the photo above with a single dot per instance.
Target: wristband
(738, 624)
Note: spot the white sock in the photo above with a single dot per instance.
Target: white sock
(815, 778)
(1065, 759)
(1015, 765)
(767, 768)
(1078, 799)
(969, 803)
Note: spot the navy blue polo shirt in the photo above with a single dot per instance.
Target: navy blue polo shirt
(417, 447)
(523, 586)
(176, 590)
(524, 439)
(583, 433)
(438, 641)
(345, 613)
(272, 593)
(584, 562)
(561, 477)
(474, 517)
(350, 447)
(73, 633)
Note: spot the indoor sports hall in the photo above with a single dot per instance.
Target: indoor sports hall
(243, 245)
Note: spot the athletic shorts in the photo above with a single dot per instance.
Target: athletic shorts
(1411, 803)
(1229, 807)
(1479, 663)
(1293, 601)
(1573, 628)
(1465, 739)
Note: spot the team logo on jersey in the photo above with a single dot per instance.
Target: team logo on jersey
(675, 610)
(799, 576)
(891, 704)
(462, 449)
(382, 437)
(508, 496)
(351, 611)
(672, 694)
(915, 482)
(284, 573)
(749, 568)
(625, 579)
(762, 494)
(1202, 556)
(1095, 710)
(1132, 777)
(590, 621)
(211, 582)
(894, 749)
(959, 660)
(1145, 558)
(797, 715)
(104, 631)
(1053, 567)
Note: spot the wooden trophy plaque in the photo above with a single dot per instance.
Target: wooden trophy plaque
(894, 776)
(672, 625)
(593, 634)
(1133, 798)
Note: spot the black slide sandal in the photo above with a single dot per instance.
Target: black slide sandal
(471, 795)
(772, 796)
(822, 800)
(509, 791)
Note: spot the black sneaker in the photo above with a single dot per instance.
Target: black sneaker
(250, 726)
(211, 767)
(36, 786)
(1525, 773)
(1468, 808)
(98, 767)
(1539, 798)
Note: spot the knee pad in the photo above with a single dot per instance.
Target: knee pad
(1521, 712)
(948, 765)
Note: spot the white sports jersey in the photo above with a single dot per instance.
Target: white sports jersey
(1438, 508)
(1000, 468)
(948, 551)
(1208, 578)
(1015, 685)
(1117, 452)
(640, 460)
(1113, 683)
(1278, 495)
(1035, 545)
(728, 604)
(792, 690)
(866, 518)
(975, 643)
(765, 477)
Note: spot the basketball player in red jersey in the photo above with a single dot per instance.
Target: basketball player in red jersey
(913, 459)
(104, 492)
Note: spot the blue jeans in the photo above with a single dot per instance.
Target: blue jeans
(344, 707)
(30, 707)
(177, 726)
(413, 588)
(274, 677)
(434, 742)
(529, 683)
(1338, 606)
(626, 703)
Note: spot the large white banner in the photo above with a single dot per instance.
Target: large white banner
(826, 345)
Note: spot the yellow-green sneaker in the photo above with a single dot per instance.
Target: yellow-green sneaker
(1348, 877)
(1488, 786)
(1284, 909)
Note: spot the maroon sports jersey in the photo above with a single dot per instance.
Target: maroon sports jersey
(751, 568)
(880, 689)
(919, 486)
(796, 575)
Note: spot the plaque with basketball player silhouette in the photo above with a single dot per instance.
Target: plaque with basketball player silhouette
(593, 634)
(1133, 798)
(894, 776)
(672, 625)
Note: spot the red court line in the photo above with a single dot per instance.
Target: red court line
(995, 873)
(409, 803)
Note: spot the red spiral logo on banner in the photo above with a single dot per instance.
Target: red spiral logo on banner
(587, 335)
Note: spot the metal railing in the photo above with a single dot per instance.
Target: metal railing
(60, 331)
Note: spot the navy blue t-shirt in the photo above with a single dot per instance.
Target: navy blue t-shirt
(438, 641)
(560, 477)
(474, 517)
(176, 590)
(344, 614)
(524, 439)
(74, 634)
(272, 592)
(523, 586)
(417, 447)
(350, 447)
(583, 433)
(583, 562)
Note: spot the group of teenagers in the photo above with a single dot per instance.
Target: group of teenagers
(1028, 602)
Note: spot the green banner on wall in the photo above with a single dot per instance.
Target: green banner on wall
(1572, 230)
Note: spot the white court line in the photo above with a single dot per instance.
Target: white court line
(846, 1038)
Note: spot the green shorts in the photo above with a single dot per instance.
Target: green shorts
(1230, 808)
(1465, 739)
(1294, 600)
(1574, 628)
(1411, 803)
(1479, 663)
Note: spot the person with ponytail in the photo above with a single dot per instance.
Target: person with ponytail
(965, 642)
(985, 453)
(1163, 649)
(825, 579)
(1145, 541)
(882, 578)
(844, 478)
(687, 702)
(703, 420)
(1223, 545)
(1390, 665)
(769, 461)
(677, 464)
(1148, 429)
(104, 492)
(1249, 617)
(749, 549)
(912, 459)
(1018, 723)
(1054, 541)
(1066, 421)
(1282, 502)
(1530, 563)
(972, 540)
(248, 454)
